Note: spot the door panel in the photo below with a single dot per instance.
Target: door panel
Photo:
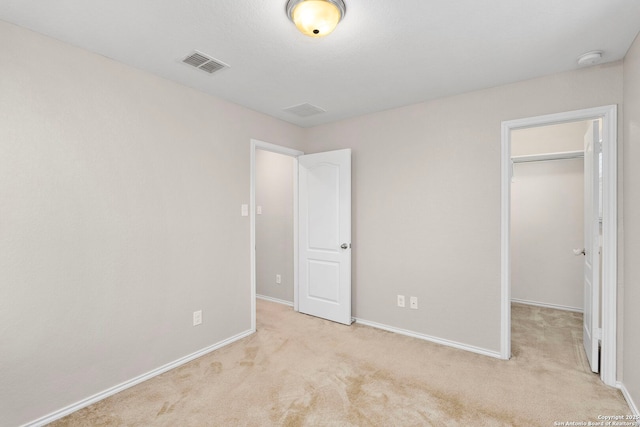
(325, 235)
(324, 281)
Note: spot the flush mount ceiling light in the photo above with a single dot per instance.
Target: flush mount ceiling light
(316, 18)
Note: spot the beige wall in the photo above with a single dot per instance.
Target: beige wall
(120, 198)
(426, 185)
(548, 139)
(631, 345)
(547, 205)
(547, 210)
(274, 227)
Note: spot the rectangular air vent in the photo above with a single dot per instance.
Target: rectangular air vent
(204, 62)
(304, 110)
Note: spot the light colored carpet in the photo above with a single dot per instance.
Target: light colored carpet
(299, 370)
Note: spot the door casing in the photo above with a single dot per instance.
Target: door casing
(609, 228)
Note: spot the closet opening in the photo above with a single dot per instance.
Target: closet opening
(547, 242)
(559, 246)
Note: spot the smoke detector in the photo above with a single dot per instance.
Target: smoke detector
(590, 58)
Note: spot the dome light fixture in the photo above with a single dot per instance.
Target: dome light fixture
(316, 18)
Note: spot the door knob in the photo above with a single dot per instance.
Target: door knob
(344, 246)
(578, 252)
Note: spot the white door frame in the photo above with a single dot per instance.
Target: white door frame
(266, 146)
(609, 228)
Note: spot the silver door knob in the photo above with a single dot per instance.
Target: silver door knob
(344, 246)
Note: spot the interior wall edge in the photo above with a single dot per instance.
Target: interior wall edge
(629, 399)
(547, 305)
(435, 340)
(276, 300)
(63, 412)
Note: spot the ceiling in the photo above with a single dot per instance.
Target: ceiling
(384, 54)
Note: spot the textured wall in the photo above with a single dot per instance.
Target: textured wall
(274, 227)
(120, 198)
(631, 344)
(426, 185)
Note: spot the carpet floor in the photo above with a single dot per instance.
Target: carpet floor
(299, 370)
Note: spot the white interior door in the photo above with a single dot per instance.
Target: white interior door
(591, 330)
(324, 197)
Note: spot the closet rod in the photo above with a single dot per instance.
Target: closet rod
(549, 156)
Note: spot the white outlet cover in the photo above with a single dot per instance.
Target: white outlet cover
(278, 279)
(197, 318)
(413, 303)
(244, 210)
(400, 300)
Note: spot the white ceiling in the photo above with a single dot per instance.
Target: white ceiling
(384, 54)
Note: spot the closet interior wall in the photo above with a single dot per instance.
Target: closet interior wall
(547, 210)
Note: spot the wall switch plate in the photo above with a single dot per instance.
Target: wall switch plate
(413, 303)
(244, 210)
(197, 318)
(400, 300)
(278, 279)
(259, 210)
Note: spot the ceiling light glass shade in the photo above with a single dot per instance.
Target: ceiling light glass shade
(315, 18)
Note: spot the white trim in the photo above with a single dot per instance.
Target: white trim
(276, 300)
(266, 146)
(609, 223)
(609, 272)
(547, 305)
(505, 236)
(295, 233)
(132, 382)
(628, 398)
(564, 155)
(429, 338)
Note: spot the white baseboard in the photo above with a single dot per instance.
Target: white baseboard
(276, 300)
(547, 305)
(628, 398)
(130, 383)
(436, 340)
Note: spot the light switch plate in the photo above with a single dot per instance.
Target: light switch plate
(244, 210)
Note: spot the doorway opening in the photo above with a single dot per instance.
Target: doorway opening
(284, 155)
(274, 227)
(512, 131)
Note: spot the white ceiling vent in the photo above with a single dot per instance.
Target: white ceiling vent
(204, 62)
(304, 110)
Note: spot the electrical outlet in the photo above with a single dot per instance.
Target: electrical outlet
(400, 300)
(259, 210)
(278, 279)
(197, 317)
(413, 303)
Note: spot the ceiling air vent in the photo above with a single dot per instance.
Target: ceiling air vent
(304, 110)
(204, 62)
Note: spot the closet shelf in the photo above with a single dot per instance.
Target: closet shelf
(548, 156)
